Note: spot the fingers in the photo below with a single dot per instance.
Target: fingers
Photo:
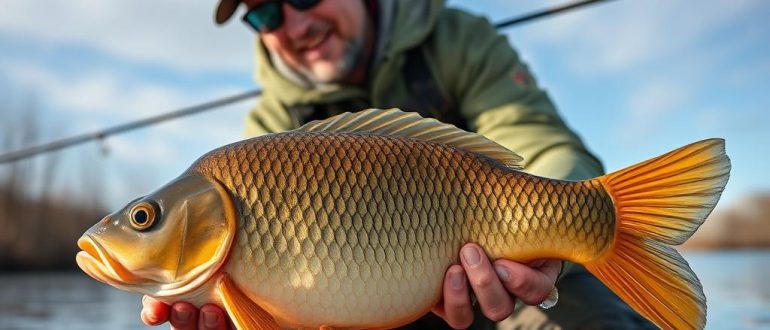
(212, 317)
(531, 283)
(184, 316)
(154, 312)
(455, 308)
(496, 303)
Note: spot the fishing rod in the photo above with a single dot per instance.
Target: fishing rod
(102, 134)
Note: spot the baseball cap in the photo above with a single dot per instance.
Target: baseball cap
(225, 10)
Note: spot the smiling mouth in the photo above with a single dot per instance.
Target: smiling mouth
(97, 263)
(316, 41)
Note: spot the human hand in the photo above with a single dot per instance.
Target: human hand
(495, 285)
(183, 315)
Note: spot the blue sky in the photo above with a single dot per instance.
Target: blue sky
(633, 78)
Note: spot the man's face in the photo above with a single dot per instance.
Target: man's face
(323, 43)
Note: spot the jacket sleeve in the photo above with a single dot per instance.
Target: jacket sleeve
(500, 99)
(498, 96)
(253, 125)
(267, 116)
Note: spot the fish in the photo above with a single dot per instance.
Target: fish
(352, 221)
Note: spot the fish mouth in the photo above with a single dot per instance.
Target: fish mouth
(95, 261)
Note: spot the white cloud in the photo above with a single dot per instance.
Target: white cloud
(709, 119)
(663, 53)
(176, 33)
(651, 104)
(141, 151)
(84, 93)
(656, 98)
(96, 100)
(106, 93)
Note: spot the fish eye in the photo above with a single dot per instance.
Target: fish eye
(142, 216)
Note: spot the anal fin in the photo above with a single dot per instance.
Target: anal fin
(244, 312)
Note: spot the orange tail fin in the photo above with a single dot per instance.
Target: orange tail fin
(660, 203)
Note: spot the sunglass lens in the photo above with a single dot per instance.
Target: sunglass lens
(303, 4)
(265, 17)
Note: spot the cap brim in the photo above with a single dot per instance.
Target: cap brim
(225, 10)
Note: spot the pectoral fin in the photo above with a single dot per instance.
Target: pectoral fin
(244, 313)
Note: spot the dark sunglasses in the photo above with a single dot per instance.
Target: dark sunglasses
(268, 16)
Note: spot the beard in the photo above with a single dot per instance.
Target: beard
(325, 73)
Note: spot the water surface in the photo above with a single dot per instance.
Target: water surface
(737, 288)
(70, 300)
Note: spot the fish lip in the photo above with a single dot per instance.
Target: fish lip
(99, 264)
(88, 246)
(90, 260)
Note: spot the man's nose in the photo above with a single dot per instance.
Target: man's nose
(296, 23)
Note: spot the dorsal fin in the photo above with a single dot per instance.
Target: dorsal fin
(394, 122)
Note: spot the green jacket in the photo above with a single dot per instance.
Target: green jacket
(492, 89)
(473, 65)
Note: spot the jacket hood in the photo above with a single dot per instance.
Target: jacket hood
(403, 24)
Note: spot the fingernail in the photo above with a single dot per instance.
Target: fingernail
(210, 319)
(502, 273)
(538, 263)
(456, 280)
(182, 315)
(150, 316)
(472, 256)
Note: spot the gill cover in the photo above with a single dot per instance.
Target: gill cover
(166, 243)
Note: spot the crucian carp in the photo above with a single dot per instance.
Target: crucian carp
(351, 222)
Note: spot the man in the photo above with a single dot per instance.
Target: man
(318, 58)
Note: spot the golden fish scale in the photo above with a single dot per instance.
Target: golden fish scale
(353, 229)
